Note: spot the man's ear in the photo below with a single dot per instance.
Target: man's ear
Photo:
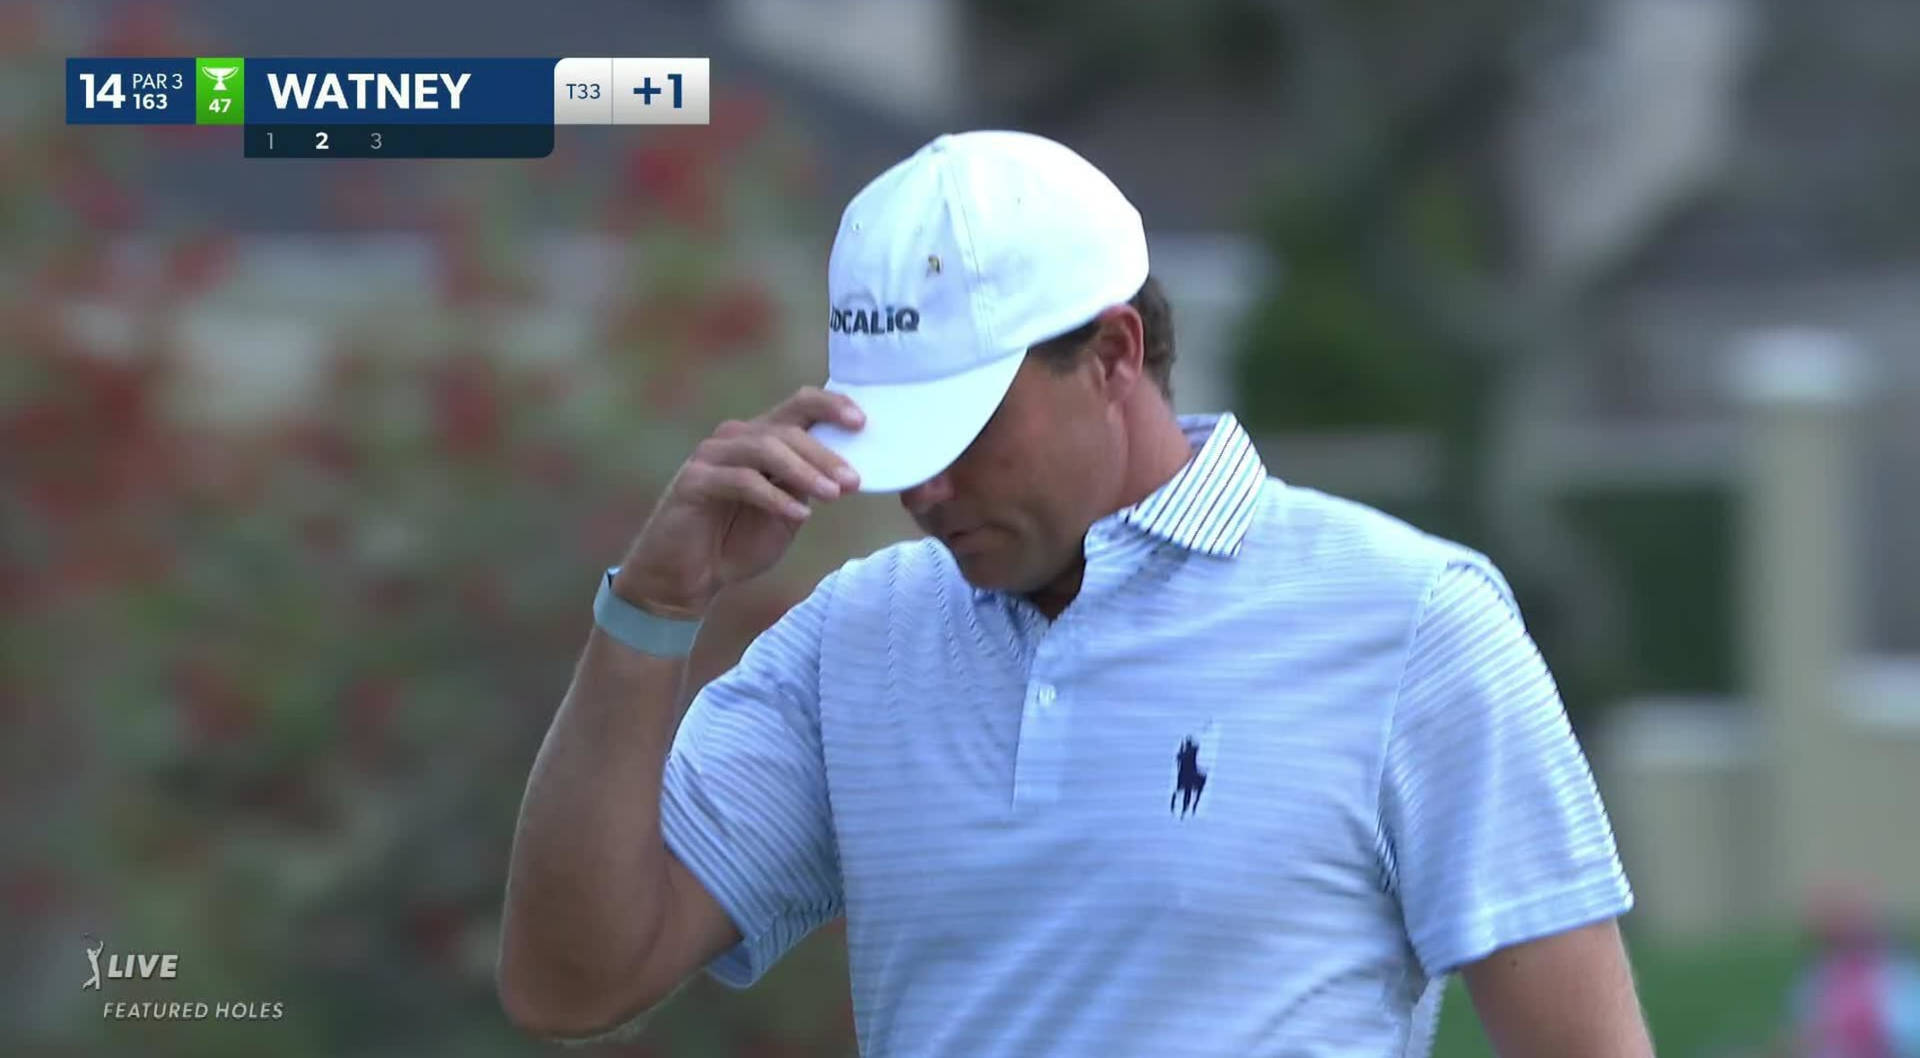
(1119, 351)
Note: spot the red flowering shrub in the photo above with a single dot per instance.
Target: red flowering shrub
(273, 684)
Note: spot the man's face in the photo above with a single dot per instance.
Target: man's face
(1015, 506)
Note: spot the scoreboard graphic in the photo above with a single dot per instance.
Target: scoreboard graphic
(389, 108)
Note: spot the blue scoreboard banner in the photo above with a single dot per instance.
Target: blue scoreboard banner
(130, 92)
(400, 91)
(388, 107)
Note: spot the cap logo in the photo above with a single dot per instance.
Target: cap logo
(902, 318)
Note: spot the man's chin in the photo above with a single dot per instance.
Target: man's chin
(976, 570)
(981, 571)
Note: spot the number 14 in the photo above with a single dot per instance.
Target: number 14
(108, 93)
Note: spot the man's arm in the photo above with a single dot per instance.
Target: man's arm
(601, 921)
(603, 918)
(1570, 995)
(1494, 837)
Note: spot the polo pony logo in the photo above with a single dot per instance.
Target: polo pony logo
(1190, 781)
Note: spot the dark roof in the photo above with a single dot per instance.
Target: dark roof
(1825, 160)
(1188, 157)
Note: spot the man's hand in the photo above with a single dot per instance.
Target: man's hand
(1566, 996)
(735, 505)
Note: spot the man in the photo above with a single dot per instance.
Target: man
(1860, 996)
(1139, 751)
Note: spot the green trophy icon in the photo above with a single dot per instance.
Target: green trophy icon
(220, 98)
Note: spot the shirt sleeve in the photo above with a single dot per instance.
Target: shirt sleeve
(1492, 829)
(744, 805)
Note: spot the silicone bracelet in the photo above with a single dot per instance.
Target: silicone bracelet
(628, 624)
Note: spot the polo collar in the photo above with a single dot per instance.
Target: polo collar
(1208, 505)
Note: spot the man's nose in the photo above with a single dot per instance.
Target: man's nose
(925, 496)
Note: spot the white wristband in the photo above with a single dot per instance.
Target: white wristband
(628, 624)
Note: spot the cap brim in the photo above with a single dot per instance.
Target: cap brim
(913, 431)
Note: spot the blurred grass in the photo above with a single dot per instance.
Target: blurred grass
(1701, 1000)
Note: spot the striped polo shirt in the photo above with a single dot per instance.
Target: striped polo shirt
(1282, 763)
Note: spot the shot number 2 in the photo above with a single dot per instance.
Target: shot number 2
(320, 141)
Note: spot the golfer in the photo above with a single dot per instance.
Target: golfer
(1139, 751)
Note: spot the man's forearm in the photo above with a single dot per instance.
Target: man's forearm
(588, 879)
(1570, 995)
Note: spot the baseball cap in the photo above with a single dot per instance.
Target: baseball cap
(946, 268)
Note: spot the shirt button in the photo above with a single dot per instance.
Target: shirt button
(1045, 694)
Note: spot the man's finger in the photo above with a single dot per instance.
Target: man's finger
(769, 452)
(739, 484)
(825, 459)
(811, 404)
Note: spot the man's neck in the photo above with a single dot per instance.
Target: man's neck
(1052, 598)
(1162, 455)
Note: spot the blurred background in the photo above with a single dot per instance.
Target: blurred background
(309, 467)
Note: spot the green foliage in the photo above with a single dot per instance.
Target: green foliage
(1673, 554)
(1325, 353)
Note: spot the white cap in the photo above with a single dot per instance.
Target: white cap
(947, 267)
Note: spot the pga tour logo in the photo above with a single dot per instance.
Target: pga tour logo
(132, 966)
(129, 966)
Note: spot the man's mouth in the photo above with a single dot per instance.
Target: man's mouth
(959, 538)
